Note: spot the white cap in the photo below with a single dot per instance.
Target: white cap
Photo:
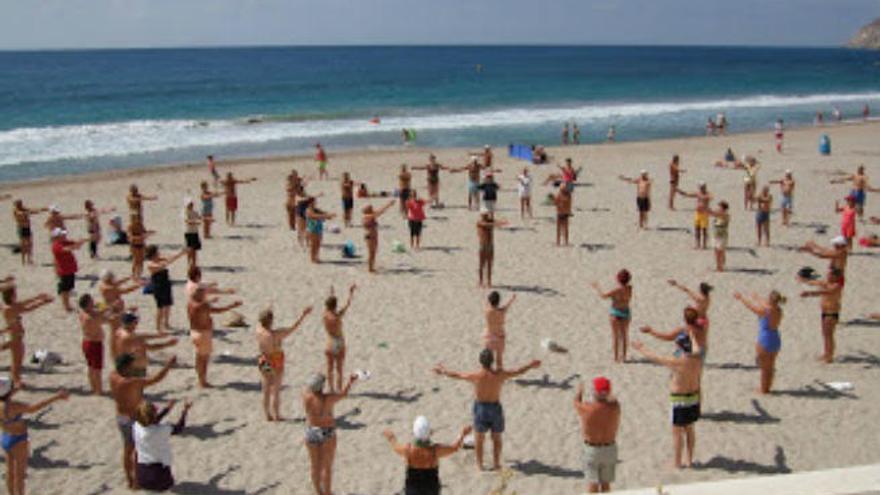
(421, 428)
(644, 172)
(58, 232)
(106, 274)
(838, 241)
(5, 385)
(54, 209)
(701, 183)
(788, 171)
(486, 146)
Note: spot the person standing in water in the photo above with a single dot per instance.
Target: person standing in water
(271, 361)
(619, 314)
(769, 313)
(423, 457)
(335, 350)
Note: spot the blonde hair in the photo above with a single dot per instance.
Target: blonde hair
(145, 414)
(777, 298)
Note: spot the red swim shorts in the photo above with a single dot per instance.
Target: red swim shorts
(231, 203)
(93, 350)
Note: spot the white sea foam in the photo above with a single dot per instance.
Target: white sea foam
(26, 145)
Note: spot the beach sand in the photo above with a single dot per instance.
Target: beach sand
(424, 308)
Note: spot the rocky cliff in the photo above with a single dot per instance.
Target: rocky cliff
(867, 37)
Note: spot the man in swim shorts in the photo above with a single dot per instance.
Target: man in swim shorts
(487, 411)
(860, 188)
(562, 200)
(684, 392)
(486, 226)
(786, 186)
(404, 185)
(92, 320)
(643, 196)
(229, 188)
(701, 214)
(830, 292)
(25, 234)
(201, 324)
(321, 158)
(600, 420)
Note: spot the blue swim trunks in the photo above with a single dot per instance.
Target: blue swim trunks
(488, 416)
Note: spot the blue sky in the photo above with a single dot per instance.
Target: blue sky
(27, 24)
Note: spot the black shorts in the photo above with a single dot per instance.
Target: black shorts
(415, 228)
(644, 204)
(192, 241)
(685, 415)
(66, 283)
(24, 232)
(163, 298)
(347, 204)
(404, 195)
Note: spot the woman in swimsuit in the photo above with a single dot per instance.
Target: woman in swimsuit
(335, 350)
(294, 189)
(93, 223)
(315, 226)
(137, 237)
(15, 434)
(161, 282)
(701, 300)
(620, 315)
(769, 312)
(423, 457)
(136, 201)
(371, 232)
(320, 436)
(720, 223)
(750, 181)
(207, 197)
(13, 311)
(271, 362)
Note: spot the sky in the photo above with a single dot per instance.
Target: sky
(35, 24)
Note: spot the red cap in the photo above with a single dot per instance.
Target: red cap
(851, 197)
(601, 385)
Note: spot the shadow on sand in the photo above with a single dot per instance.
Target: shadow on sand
(546, 383)
(817, 391)
(760, 417)
(729, 465)
(406, 396)
(533, 467)
(212, 486)
(531, 289)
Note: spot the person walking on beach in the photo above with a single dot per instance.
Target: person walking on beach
(13, 311)
(335, 350)
(127, 389)
(200, 310)
(684, 393)
(271, 362)
(433, 171)
(675, 172)
(562, 200)
(860, 188)
(65, 264)
(720, 232)
(830, 292)
(315, 219)
(779, 133)
(16, 445)
(619, 314)
(137, 238)
(160, 282)
(762, 216)
(786, 186)
(320, 435)
(600, 420)
(191, 223)
(92, 320)
(207, 198)
(524, 190)
(415, 215)
(229, 190)
(22, 217)
(769, 313)
(701, 214)
(370, 221)
(423, 456)
(486, 226)
(494, 335)
(136, 200)
(93, 225)
(487, 411)
(321, 159)
(643, 195)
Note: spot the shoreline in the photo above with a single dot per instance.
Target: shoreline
(160, 168)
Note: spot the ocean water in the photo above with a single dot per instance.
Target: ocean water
(64, 112)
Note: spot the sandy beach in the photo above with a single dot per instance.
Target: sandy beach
(425, 308)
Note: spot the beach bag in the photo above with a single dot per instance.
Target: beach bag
(148, 289)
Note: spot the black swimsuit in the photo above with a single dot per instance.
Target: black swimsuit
(162, 288)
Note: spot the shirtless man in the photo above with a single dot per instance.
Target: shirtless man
(136, 200)
(404, 185)
(486, 226)
(320, 438)
(643, 195)
(837, 256)
(229, 189)
(22, 217)
(346, 186)
(830, 291)
(473, 181)
(201, 332)
(487, 410)
(93, 225)
(91, 321)
(295, 188)
(127, 341)
(494, 335)
(701, 214)
(600, 420)
(693, 326)
(786, 186)
(128, 392)
(112, 291)
(762, 216)
(271, 362)
(565, 134)
(335, 350)
(433, 169)
(56, 220)
(562, 200)
(684, 392)
(860, 188)
(13, 311)
(675, 172)
(702, 300)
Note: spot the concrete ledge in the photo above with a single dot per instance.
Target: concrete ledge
(860, 480)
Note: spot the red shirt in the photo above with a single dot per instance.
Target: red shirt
(65, 261)
(320, 155)
(416, 209)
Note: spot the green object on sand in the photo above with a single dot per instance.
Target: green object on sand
(383, 345)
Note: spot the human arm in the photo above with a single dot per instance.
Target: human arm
(693, 295)
(345, 307)
(668, 336)
(181, 422)
(223, 309)
(519, 371)
(686, 194)
(598, 290)
(74, 245)
(757, 307)
(627, 179)
(296, 325)
(442, 371)
(158, 377)
(826, 289)
(512, 298)
(398, 448)
(665, 361)
(61, 395)
(35, 302)
(162, 345)
(446, 450)
(344, 392)
(165, 410)
(383, 209)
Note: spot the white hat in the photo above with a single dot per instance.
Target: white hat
(486, 146)
(644, 172)
(838, 241)
(58, 232)
(701, 183)
(421, 428)
(5, 385)
(54, 209)
(107, 274)
(788, 171)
